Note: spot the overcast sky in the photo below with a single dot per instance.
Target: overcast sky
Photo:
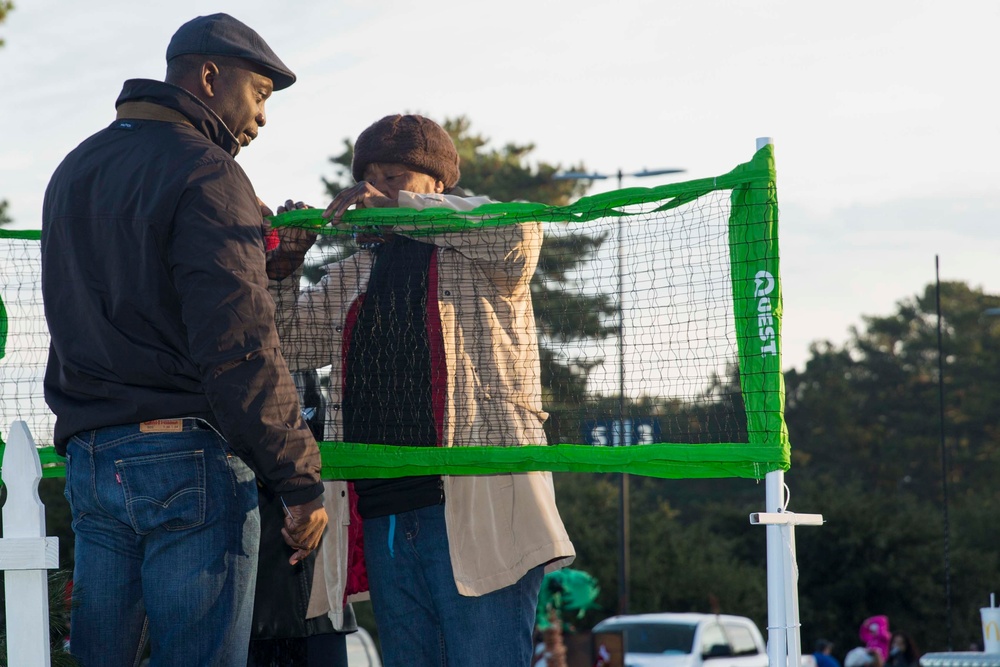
(884, 114)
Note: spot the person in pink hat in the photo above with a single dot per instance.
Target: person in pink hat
(874, 632)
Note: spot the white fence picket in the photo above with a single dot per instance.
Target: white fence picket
(25, 552)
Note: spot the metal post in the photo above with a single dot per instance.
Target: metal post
(793, 638)
(944, 452)
(623, 441)
(623, 544)
(774, 484)
(777, 621)
(784, 647)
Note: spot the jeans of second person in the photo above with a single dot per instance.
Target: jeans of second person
(167, 532)
(423, 621)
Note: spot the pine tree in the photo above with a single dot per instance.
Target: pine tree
(5, 7)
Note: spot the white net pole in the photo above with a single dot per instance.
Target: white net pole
(777, 620)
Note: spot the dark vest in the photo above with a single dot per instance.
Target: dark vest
(387, 393)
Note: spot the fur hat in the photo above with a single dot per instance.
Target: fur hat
(413, 140)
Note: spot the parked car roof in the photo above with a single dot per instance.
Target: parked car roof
(672, 617)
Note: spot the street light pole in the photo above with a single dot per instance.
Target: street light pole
(623, 434)
(944, 452)
(624, 541)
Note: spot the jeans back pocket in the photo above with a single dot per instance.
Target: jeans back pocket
(164, 490)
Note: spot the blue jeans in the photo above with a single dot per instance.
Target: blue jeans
(422, 619)
(167, 532)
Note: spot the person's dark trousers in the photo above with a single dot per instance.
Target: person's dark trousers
(423, 620)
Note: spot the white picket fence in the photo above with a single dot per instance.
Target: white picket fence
(26, 553)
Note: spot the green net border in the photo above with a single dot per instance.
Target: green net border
(433, 221)
(753, 234)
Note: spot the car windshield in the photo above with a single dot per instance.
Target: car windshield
(657, 637)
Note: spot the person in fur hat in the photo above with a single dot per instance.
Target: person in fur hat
(431, 340)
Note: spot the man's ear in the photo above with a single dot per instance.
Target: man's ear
(438, 187)
(207, 77)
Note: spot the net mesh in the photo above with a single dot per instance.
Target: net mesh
(24, 338)
(641, 335)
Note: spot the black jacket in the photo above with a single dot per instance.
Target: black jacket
(155, 291)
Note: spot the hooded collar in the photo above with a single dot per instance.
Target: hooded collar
(174, 97)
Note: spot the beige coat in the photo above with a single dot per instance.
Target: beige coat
(499, 526)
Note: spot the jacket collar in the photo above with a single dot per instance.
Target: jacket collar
(206, 121)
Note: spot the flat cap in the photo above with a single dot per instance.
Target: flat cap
(415, 141)
(222, 35)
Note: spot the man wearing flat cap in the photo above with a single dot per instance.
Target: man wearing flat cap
(431, 341)
(165, 374)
